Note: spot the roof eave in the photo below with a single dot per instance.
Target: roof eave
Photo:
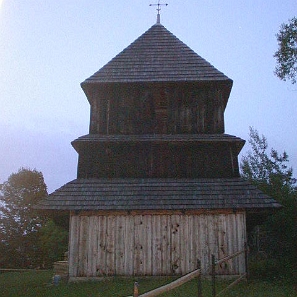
(91, 88)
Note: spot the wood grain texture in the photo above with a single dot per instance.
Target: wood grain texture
(154, 244)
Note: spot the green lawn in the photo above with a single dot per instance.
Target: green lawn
(35, 284)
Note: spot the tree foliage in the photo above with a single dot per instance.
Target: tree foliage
(23, 229)
(19, 221)
(53, 242)
(271, 173)
(269, 170)
(286, 55)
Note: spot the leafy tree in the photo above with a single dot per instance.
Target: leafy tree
(286, 55)
(53, 242)
(19, 221)
(28, 238)
(270, 172)
(267, 169)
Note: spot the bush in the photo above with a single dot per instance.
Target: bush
(271, 269)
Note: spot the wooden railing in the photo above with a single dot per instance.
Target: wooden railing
(219, 262)
(180, 281)
(2, 270)
(197, 273)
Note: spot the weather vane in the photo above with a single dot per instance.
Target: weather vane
(159, 9)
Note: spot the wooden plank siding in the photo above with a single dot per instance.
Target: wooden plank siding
(154, 244)
(161, 109)
(162, 160)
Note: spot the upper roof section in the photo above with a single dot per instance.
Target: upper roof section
(157, 56)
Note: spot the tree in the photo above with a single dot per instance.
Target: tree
(286, 55)
(267, 169)
(270, 172)
(29, 238)
(53, 242)
(19, 221)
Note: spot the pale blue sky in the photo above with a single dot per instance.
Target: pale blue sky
(48, 47)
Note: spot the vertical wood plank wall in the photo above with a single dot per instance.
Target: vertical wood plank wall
(154, 244)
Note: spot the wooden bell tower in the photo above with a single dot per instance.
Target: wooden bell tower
(157, 111)
(158, 183)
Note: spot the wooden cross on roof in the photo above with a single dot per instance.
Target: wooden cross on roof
(159, 9)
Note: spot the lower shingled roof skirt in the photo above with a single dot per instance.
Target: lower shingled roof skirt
(157, 194)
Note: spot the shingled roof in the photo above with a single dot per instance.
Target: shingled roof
(157, 56)
(157, 194)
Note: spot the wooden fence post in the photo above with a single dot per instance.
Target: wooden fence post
(213, 275)
(246, 258)
(199, 279)
(135, 291)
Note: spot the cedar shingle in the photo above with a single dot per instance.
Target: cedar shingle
(157, 56)
(157, 194)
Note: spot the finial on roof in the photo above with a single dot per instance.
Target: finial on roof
(159, 9)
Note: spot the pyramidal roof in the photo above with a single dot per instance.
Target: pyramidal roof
(157, 56)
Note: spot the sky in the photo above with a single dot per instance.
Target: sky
(48, 47)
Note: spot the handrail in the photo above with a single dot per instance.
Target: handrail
(178, 282)
(219, 262)
(21, 270)
(232, 284)
(196, 273)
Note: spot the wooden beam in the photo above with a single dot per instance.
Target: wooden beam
(21, 270)
(155, 212)
(172, 285)
(232, 285)
(229, 257)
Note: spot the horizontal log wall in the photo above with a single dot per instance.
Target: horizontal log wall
(167, 244)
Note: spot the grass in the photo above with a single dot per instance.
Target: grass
(35, 284)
